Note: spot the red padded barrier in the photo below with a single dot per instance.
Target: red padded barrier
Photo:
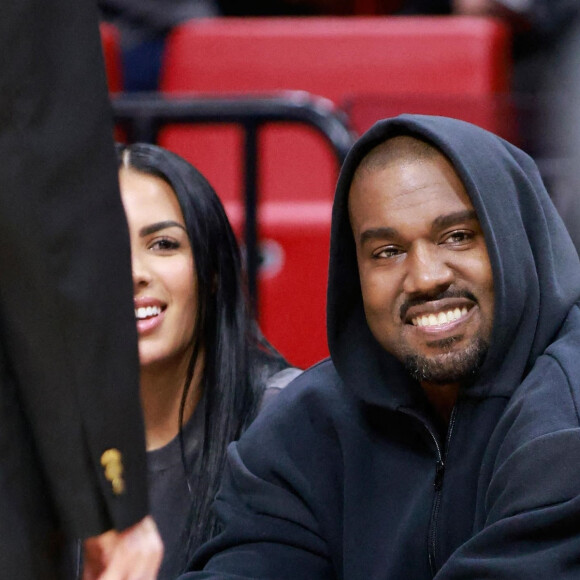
(112, 54)
(493, 112)
(374, 67)
(295, 241)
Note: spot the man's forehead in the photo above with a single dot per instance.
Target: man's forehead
(398, 149)
(403, 158)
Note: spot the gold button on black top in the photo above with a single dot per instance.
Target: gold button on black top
(112, 461)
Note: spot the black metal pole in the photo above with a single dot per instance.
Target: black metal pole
(251, 234)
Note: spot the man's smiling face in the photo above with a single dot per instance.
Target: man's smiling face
(425, 273)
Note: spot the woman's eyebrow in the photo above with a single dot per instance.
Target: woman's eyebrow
(151, 229)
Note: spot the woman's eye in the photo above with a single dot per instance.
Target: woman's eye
(164, 244)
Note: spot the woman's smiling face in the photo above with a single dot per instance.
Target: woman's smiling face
(164, 280)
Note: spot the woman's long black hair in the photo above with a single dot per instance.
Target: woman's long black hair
(237, 359)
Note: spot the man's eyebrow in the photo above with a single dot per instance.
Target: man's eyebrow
(374, 233)
(147, 230)
(451, 219)
(439, 222)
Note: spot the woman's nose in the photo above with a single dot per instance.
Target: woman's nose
(141, 274)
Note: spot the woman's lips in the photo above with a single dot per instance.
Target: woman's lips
(149, 315)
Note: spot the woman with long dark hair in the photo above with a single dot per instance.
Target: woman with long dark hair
(205, 367)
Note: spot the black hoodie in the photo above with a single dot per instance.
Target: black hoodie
(346, 475)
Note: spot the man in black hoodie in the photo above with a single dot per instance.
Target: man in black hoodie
(442, 439)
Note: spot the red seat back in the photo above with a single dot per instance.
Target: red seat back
(112, 54)
(338, 57)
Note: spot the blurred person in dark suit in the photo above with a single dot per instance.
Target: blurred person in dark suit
(72, 455)
(144, 26)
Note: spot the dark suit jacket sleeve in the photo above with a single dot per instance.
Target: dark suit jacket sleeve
(66, 316)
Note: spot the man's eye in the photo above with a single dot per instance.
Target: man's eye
(387, 252)
(164, 244)
(458, 237)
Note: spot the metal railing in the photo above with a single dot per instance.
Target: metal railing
(142, 116)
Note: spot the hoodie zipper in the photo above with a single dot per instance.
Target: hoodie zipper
(438, 487)
(437, 481)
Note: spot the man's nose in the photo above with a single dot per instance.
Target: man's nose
(428, 271)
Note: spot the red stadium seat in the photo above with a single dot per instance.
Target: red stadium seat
(372, 66)
(112, 54)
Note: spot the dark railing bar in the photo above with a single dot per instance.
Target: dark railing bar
(251, 234)
(288, 106)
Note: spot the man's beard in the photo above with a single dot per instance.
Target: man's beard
(449, 367)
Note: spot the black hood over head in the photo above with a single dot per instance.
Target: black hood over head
(536, 270)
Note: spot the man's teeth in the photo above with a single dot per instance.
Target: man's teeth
(147, 312)
(439, 318)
